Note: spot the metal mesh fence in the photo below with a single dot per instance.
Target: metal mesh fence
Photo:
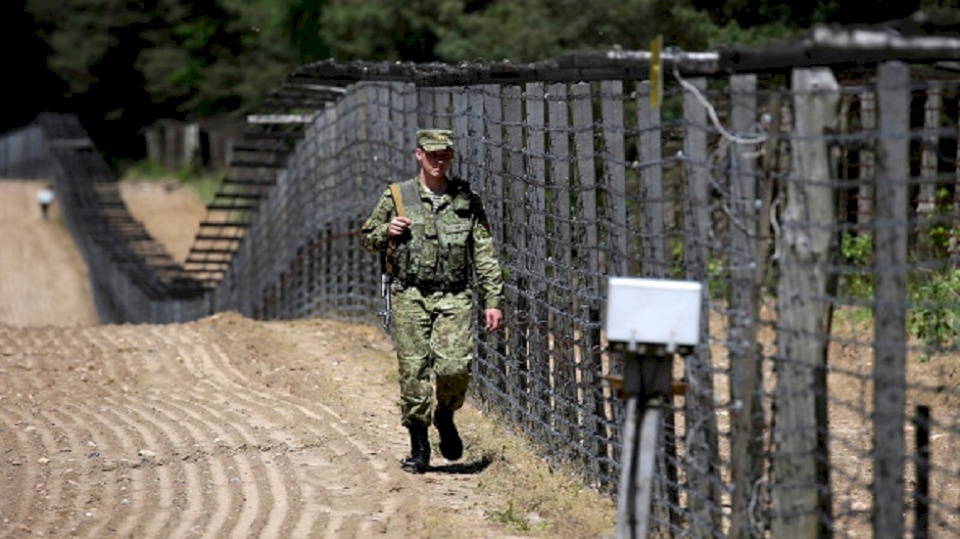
(133, 278)
(819, 207)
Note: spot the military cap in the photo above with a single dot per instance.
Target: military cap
(433, 140)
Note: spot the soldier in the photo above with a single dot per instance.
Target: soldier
(435, 247)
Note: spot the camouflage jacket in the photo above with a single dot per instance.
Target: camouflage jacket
(444, 245)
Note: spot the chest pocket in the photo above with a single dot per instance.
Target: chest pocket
(454, 255)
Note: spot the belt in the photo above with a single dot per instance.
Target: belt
(429, 287)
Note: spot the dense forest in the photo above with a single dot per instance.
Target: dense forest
(122, 64)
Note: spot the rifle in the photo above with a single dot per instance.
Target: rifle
(386, 267)
(385, 279)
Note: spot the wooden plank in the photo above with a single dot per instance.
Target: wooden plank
(893, 177)
(515, 223)
(653, 260)
(409, 114)
(535, 129)
(426, 107)
(560, 249)
(700, 438)
(800, 488)
(613, 216)
(747, 420)
(927, 198)
(462, 165)
(494, 195)
(343, 172)
(929, 162)
(614, 176)
(382, 172)
(443, 107)
(474, 153)
(493, 184)
(475, 133)
(586, 308)
(400, 153)
(868, 122)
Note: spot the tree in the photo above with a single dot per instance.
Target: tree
(389, 29)
(93, 50)
(33, 87)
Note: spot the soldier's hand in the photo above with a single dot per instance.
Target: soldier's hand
(494, 319)
(398, 227)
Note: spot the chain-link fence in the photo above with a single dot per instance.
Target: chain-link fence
(132, 277)
(818, 206)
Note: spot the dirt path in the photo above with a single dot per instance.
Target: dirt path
(44, 280)
(229, 427)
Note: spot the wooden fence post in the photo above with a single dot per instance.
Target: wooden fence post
(614, 176)
(535, 127)
(516, 287)
(890, 244)
(588, 263)
(745, 373)
(801, 487)
(700, 434)
(493, 193)
(566, 418)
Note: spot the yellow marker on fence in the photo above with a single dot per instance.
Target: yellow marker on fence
(656, 72)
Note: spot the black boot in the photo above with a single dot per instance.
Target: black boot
(419, 459)
(451, 447)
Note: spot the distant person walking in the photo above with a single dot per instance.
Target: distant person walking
(45, 199)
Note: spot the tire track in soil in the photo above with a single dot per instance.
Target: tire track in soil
(203, 460)
(342, 510)
(259, 406)
(180, 434)
(158, 495)
(21, 476)
(188, 407)
(267, 514)
(62, 499)
(76, 344)
(231, 456)
(249, 495)
(256, 407)
(85, 472)
(115, 514)
(98, 502)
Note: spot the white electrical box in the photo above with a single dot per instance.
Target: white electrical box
(653, 312)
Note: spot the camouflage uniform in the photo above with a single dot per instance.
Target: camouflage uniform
(433, 290)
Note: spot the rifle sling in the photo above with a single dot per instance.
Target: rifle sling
(397, 199)
(391, 245)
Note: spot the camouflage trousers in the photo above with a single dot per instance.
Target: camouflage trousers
(434, 341)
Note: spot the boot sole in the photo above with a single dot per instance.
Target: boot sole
(411, 466)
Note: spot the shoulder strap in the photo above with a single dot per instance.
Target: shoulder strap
(397, 198)
(396, 191)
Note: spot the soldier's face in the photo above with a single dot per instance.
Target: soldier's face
(435, 163)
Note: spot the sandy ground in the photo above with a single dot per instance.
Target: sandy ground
(226, 426)
(44, 279)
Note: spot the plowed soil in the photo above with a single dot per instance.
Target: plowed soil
(227, 426)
